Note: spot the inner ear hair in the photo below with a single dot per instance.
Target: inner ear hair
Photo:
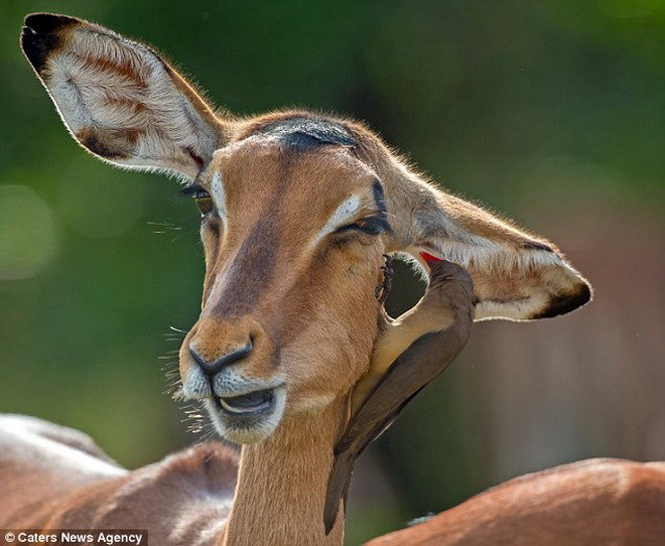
(120, 100)
(517, 275)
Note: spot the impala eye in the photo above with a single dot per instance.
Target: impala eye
(203, 202)
(372, 225)
(201, 196)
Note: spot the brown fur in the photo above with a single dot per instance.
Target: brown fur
(598, 501)
(121, 70)
(276, 273)
(191, 490)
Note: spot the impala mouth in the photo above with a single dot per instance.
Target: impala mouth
(247, 404)
(250, 417)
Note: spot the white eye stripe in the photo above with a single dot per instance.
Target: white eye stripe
(218, 194)
(344, 212)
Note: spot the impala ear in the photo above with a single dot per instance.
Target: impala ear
(119, 99)
(516, 275)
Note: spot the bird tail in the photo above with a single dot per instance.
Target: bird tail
(338, 487)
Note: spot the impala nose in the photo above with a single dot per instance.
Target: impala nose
(212, 367)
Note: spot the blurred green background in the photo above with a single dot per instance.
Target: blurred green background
(551, 112)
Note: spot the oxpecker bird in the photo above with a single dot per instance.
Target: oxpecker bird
(440, 324)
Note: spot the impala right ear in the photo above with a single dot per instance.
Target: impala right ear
(119, 99)
(516, 274)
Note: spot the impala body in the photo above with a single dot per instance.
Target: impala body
(298, 211)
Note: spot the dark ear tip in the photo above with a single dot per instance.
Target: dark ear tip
(33, 46)
(565, 304)
(584, 295)
(40, 36)
(46, 23)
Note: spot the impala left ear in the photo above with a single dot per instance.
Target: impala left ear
(516, 275)
(119, 99)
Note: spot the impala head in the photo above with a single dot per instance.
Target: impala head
(297, 212)
(294, 230)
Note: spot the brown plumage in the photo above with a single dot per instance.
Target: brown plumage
(450, 290)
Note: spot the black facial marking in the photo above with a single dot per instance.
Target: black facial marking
(372, 225)
(379, 196)
(535, 245)
(307, 132)
(380, 199)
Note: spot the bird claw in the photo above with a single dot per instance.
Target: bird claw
(383, 289)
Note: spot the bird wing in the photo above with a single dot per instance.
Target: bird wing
(423, 360)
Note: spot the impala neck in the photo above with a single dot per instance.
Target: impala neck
(282, 484)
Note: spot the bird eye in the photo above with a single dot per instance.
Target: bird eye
(203, 202)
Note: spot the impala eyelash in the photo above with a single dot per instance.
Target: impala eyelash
(376, 224)
(191, 189)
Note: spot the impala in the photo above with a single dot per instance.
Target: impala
(298, 211)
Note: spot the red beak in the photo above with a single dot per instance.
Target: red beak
(429, 258)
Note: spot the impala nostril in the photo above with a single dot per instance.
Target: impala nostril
(212, 367)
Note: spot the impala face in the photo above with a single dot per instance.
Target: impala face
(297, 210)
(294, 229)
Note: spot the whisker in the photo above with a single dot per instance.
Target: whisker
(164, 227)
